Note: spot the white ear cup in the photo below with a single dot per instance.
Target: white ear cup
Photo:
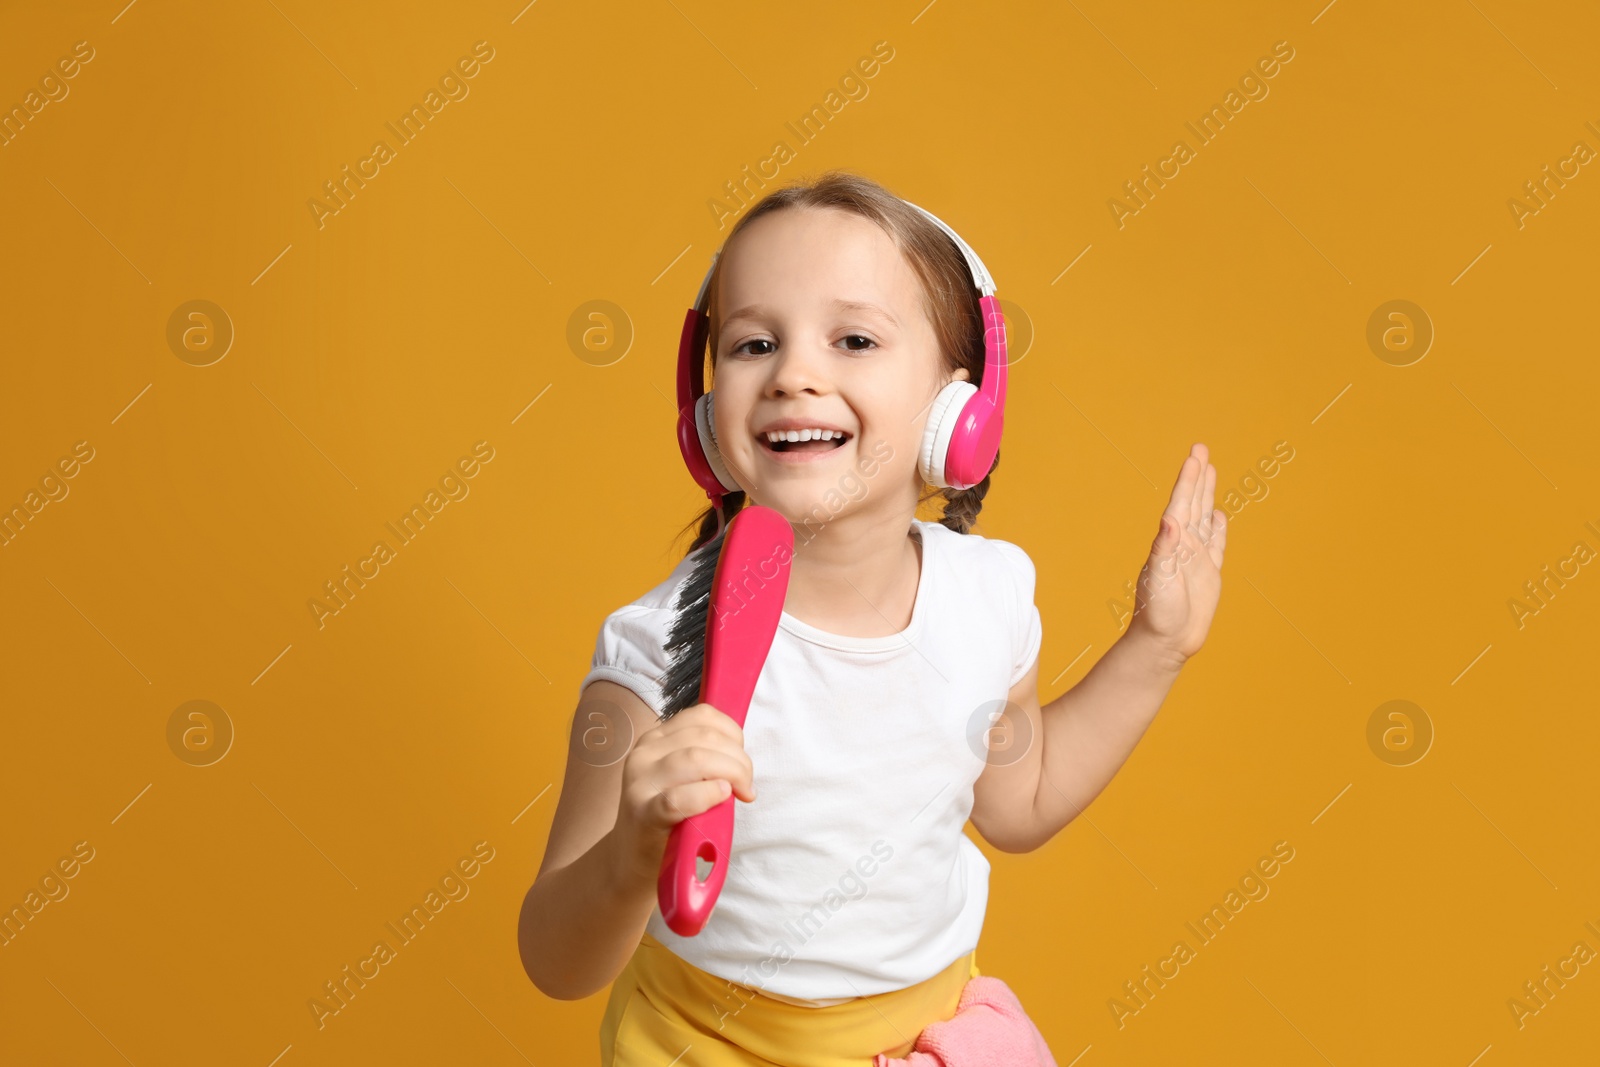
(943, 416)
(706, 425)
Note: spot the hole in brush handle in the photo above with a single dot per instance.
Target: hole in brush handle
(687, 894)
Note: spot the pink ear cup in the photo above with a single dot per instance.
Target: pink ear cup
(964, 423)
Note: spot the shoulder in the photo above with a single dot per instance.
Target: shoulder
(630, 648)
(998, 574)
(664, 594)
(658, 602)
(977, 553)
(1015, 561)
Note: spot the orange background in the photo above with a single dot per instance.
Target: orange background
(370, 354)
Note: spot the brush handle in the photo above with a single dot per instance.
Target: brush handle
(747, 597)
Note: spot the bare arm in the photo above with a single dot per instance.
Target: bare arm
(588, 905)
(1053, 761)
(630, 779)
(580, 923)
(1045, 765)
(1090, 730)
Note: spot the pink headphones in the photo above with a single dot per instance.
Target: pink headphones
(963, 432)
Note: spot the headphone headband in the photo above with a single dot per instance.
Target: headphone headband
(981, 278)
(980, 273)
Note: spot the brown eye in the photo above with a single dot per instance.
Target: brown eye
(757, 341)
(859, 337)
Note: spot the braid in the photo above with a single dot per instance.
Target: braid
(962, 505)
(732, 503)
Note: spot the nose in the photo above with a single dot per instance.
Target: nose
(796, 369)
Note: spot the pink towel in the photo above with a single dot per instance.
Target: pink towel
(989, 1029)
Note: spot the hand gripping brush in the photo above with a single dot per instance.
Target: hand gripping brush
(725, 619)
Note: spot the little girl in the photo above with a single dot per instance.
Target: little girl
(854, 902)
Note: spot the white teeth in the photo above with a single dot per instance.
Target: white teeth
(803, 435)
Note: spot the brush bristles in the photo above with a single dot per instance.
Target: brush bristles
(686, 642)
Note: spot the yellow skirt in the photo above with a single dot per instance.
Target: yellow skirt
(666, 1012)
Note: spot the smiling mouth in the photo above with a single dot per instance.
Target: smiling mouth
(801, 446)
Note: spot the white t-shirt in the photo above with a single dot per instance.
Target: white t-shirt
(851, 875)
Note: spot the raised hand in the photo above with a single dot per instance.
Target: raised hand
(1180, 583)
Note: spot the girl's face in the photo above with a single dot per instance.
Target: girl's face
(824, 327)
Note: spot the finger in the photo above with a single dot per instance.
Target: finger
(1162, 564)
(708, 735)
(1204, 506)
(725, 738)
(1183, 492)
(1219, 537)
(714, 760)
(710, 715)
(698, 717)
(685, 800)
(697, 762)
(1197, 517)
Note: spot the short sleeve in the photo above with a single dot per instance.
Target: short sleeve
(1027, 628)
(631, 651)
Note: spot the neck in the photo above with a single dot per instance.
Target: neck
(855, 575)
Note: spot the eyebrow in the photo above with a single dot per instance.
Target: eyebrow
(755, 311)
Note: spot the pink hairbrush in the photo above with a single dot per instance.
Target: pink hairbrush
(726, 617)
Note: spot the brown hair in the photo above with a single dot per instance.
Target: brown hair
(949, 298)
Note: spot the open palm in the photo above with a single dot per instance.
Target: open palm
(1180, 583)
